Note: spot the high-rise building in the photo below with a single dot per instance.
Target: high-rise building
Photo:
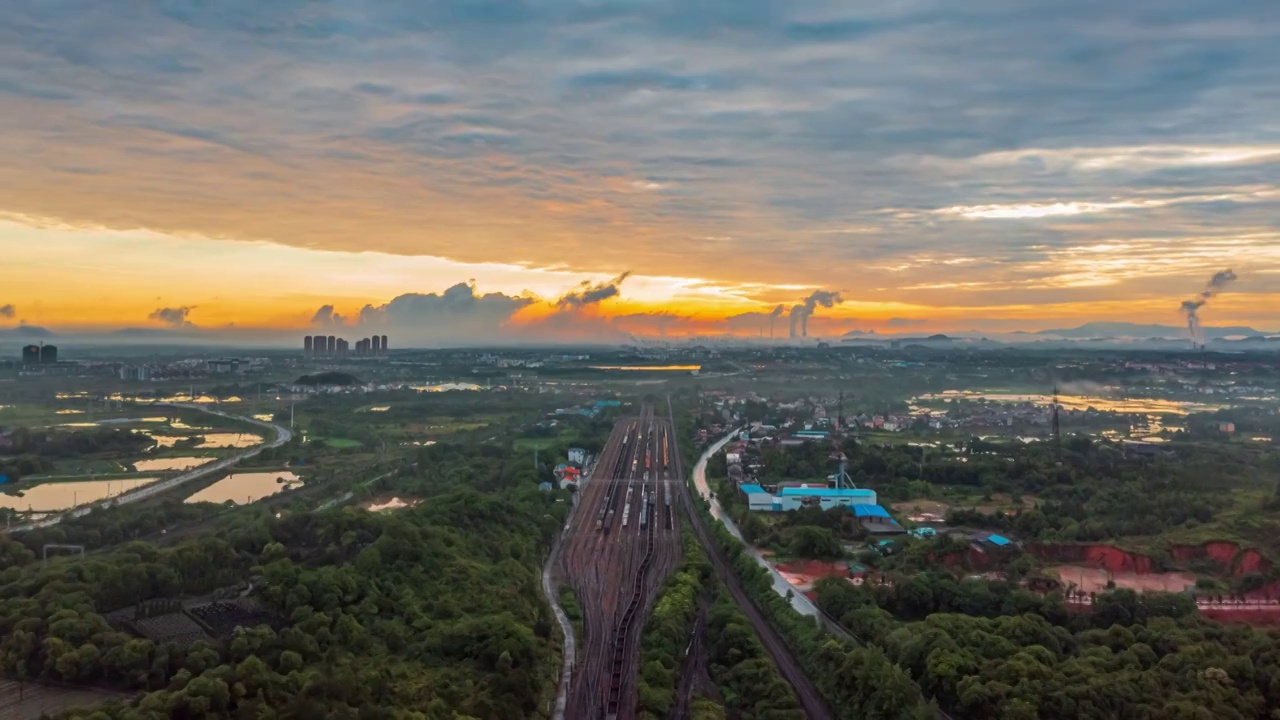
(343, 346)
(375, 345)
(31, 355)
(331, 343)
(48, 354)
(382, 347)
(306, 346)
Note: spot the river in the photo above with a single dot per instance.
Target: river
(799, 601)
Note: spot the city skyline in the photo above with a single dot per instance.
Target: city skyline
(995, 167)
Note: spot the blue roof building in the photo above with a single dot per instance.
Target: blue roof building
(866, 496)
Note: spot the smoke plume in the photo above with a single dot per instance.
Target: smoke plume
(800, 313)
(175, 317)
(8, 311)
(773, 316)
(1191, 308)
(589, 293)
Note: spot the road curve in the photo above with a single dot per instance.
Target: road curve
(566, 628)
(814, 705)
(283, 435)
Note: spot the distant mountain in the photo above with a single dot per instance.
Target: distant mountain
(26, 331)
(1136, 330)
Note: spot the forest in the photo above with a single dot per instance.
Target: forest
(739, 680)
(991, 651)
(429, 612)
(1087, 490)
(29, 451)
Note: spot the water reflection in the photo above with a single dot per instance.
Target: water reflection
(445, 387)
(212, 440)
(1138, 406)
(395, 503)
(653, 368)
(52, 497)
(244, 488)
(172, 463)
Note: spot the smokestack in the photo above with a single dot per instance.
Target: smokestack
(800, 313)
(1191, 308)
(772, 317)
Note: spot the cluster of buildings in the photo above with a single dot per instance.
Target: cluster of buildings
(35, 355)
(570, 473)
(333, 346)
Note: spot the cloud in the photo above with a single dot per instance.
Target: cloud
(325, 317)
(610, 135)
(589, 293)
(174, 317)
(899, 322)
(8, 311)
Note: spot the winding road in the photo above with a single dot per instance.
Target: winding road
(283, 435)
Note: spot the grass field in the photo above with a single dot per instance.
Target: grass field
(342, 443)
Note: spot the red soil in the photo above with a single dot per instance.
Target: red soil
(804, 573)
(1228, 556)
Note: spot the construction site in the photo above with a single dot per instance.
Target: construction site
(623, 542)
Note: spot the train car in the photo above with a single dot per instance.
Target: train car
(644, 520)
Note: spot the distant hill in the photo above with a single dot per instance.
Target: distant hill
(1136, 330)
(26, 331)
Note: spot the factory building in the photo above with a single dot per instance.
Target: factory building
(862, 502)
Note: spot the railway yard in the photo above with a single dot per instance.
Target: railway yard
(623, 542)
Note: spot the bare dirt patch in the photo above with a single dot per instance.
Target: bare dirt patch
(1092, 579)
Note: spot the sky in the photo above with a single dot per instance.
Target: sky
(458, 170)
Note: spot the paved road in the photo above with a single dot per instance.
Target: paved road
(566, 628)
(283, 435)
(814, 705)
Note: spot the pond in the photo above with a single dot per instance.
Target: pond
(394, 503)
(52, 497)
(1137, 406)
(212, 440)
(171, 463)
(245, 488)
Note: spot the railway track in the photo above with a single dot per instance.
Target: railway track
(811, 701)
(619, 549)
